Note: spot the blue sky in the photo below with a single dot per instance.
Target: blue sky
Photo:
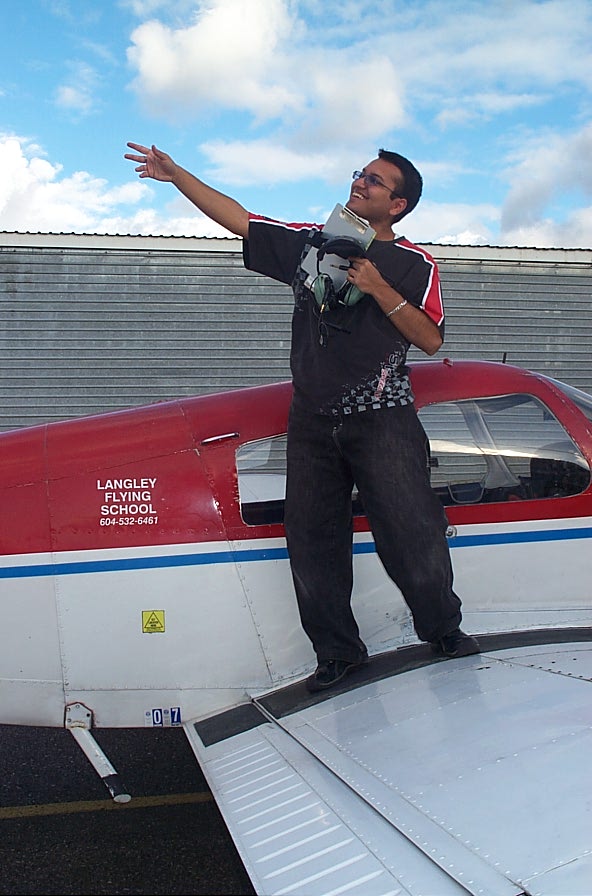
(275, 102)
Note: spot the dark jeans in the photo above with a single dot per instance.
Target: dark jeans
(385, 453)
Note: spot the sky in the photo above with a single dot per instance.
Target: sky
(276, 102)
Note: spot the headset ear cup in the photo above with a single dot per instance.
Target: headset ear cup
(351, 296)
(318, 289)
(324, 291)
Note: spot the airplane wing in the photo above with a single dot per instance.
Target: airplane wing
(417, 776)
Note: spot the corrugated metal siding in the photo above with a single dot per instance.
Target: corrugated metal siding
(89, 329)
(538, 314)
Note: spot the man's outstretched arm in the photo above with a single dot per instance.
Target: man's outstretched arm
(222, 209)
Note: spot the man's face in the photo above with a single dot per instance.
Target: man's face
(370, 195)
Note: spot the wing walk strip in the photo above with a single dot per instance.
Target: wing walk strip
(300, 829)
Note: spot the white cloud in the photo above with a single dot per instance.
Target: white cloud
(259, 58)
(226, 58)
(574, 232)
(77, 95)
(484, 106)
(35, 198)
(73, 99)
(352, 72)
(144, 8)
(149, 222)
(541, 170)
(247, 162)
(344, 101)
(508, 44)
(455, 224)
(297, 91)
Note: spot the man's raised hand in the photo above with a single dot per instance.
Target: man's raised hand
(152, 162)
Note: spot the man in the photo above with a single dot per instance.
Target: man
(352, 419)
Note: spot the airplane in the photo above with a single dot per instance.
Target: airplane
(145, 582)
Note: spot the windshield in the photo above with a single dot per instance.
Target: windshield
(503, 448)
(580, 398)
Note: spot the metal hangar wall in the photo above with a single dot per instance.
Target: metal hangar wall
(91, 323)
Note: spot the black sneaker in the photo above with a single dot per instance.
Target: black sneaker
(455, 644)
(329, 672)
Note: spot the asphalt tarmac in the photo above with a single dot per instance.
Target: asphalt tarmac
(61, 833)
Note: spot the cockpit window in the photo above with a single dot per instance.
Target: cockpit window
(508, 448)
(261, 470)
(484, 450)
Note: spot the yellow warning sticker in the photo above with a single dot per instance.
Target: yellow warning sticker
(152, 621)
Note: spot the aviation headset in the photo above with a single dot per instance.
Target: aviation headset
(323, 287)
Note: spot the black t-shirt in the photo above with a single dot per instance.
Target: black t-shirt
(357, 359)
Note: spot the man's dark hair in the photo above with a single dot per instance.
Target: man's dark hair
(411, 186)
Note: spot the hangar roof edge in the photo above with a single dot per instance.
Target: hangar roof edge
(106, 242)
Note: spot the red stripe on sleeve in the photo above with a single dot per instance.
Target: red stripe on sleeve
(431, 301)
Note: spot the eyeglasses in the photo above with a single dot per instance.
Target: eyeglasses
(373, 181)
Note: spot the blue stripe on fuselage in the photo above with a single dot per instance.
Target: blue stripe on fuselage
(250, 555)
